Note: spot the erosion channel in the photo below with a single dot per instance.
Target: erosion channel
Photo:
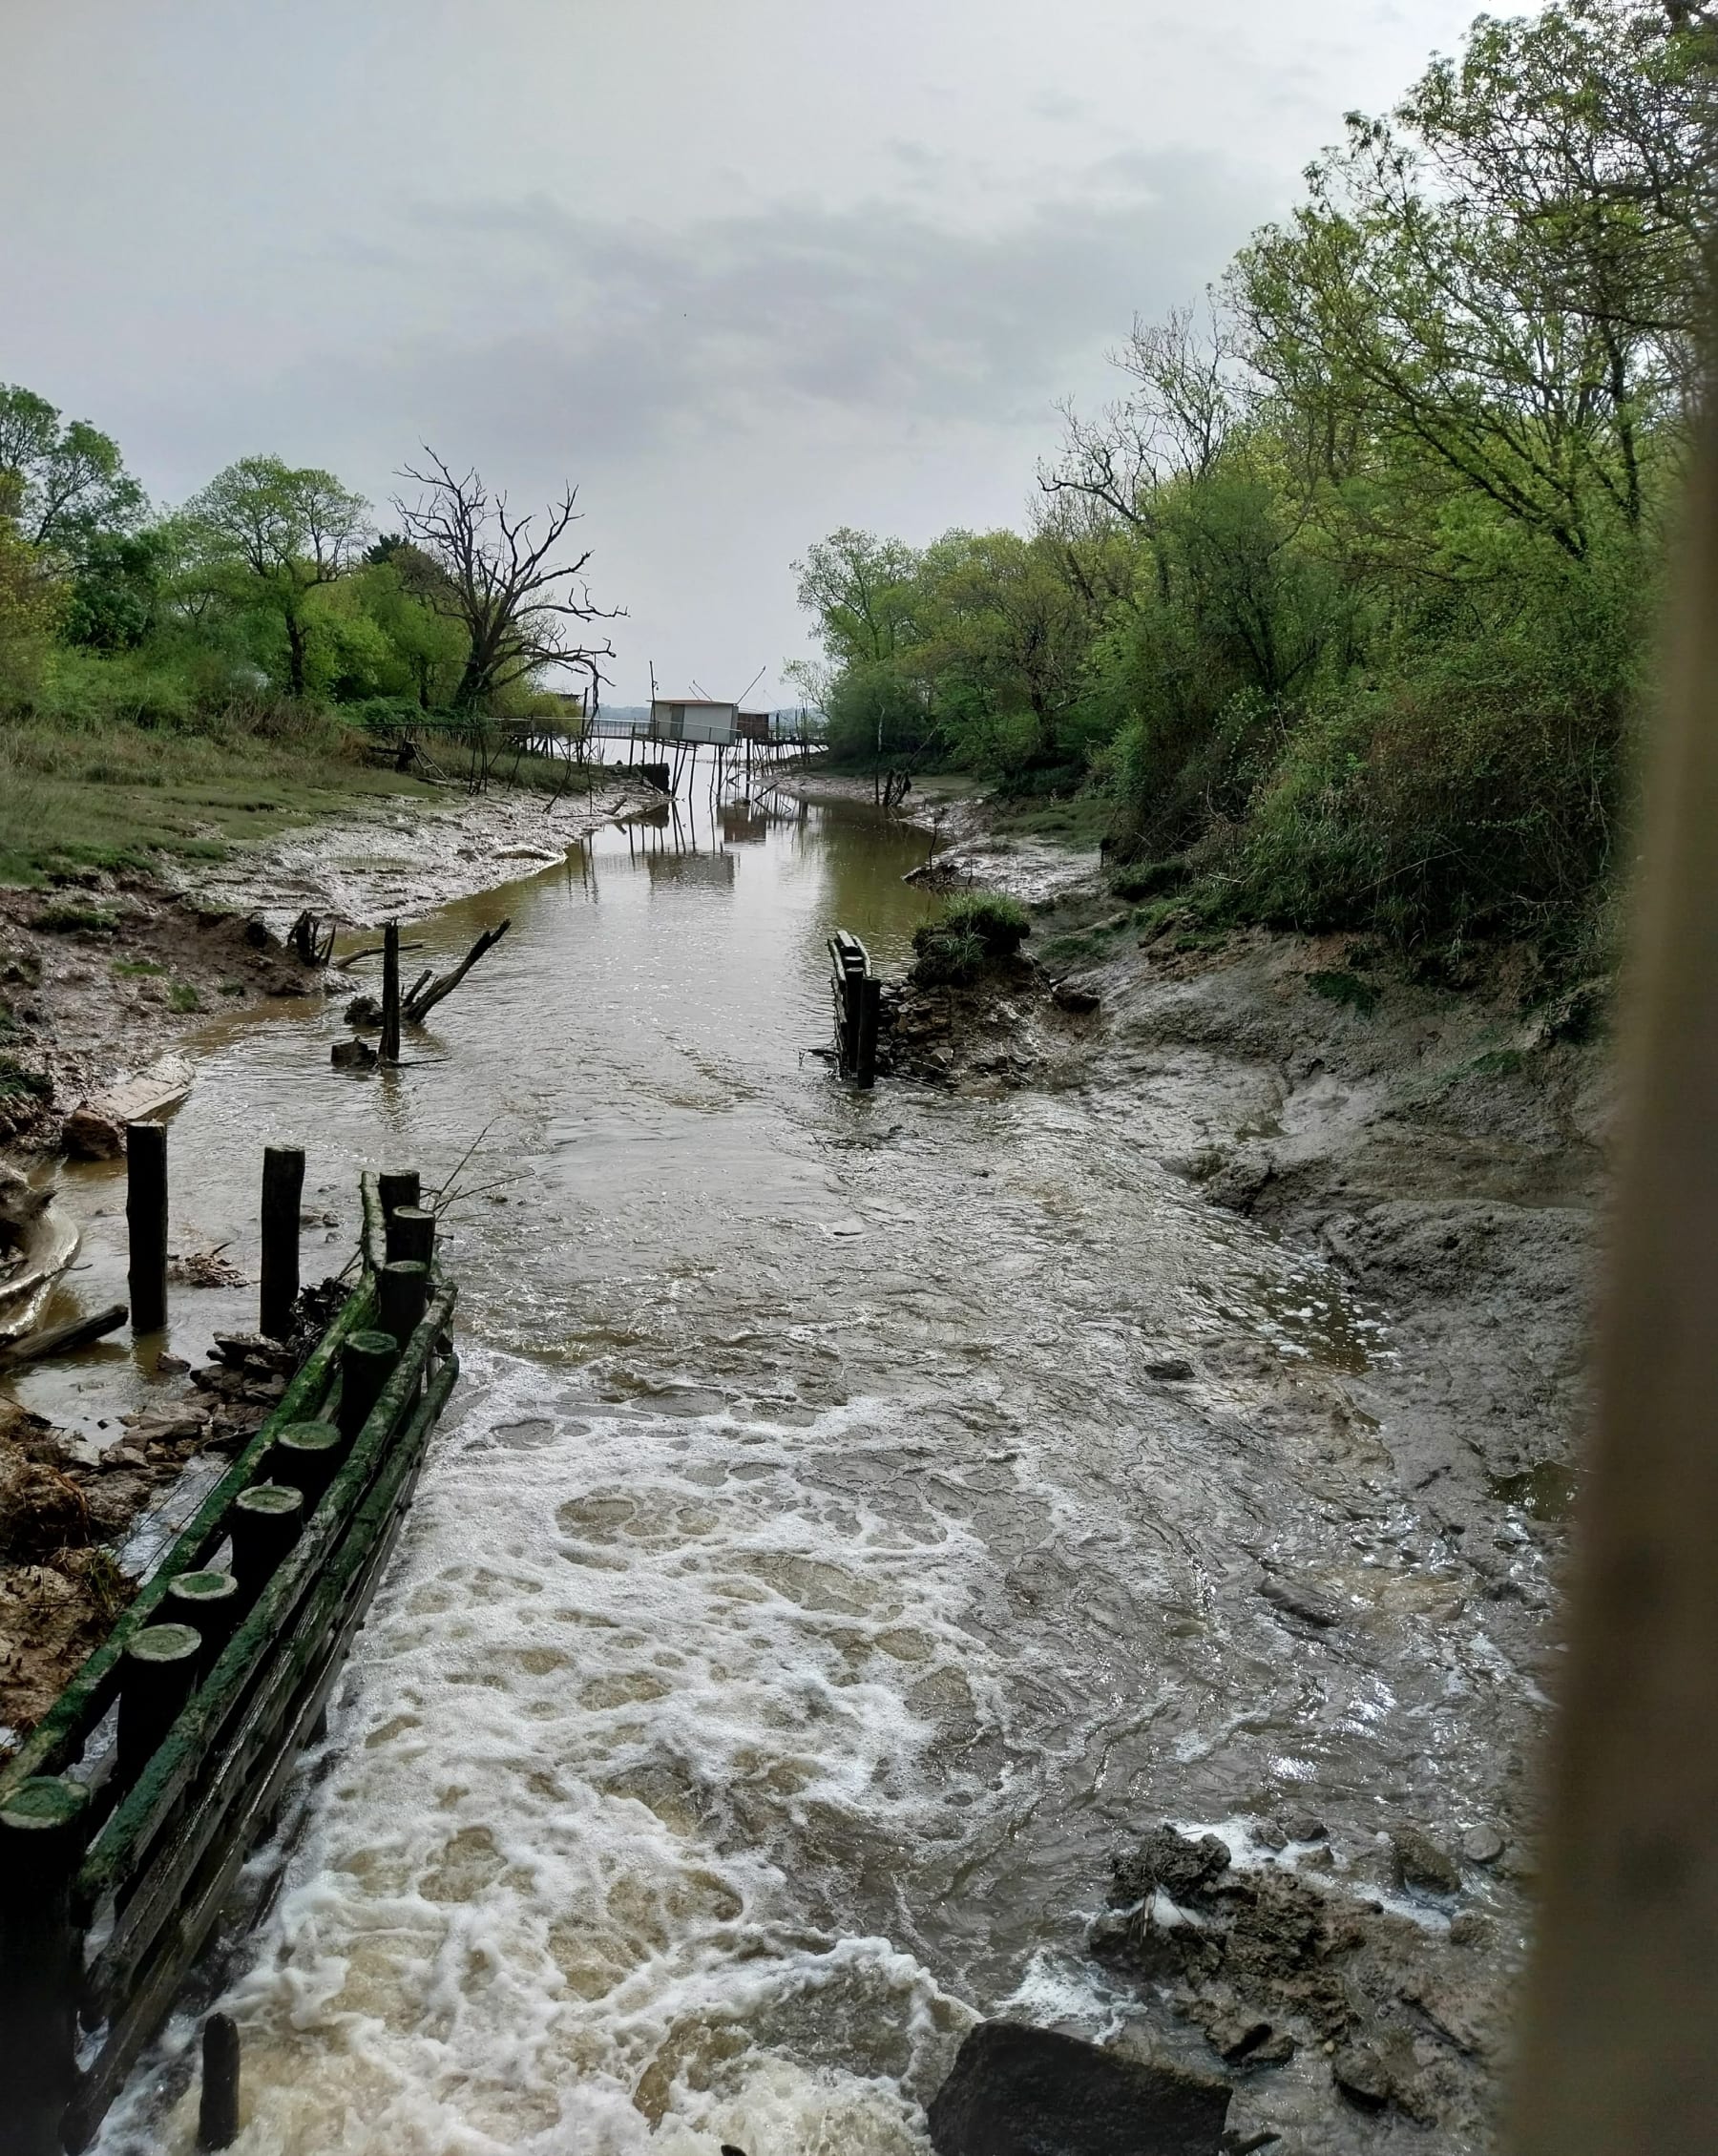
(848, 1535)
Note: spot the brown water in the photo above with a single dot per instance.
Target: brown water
(809, 1588)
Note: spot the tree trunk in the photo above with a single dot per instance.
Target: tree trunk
(295, 656)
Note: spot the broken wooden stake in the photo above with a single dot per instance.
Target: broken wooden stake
(388, 1048)
(430, 987)
(218, 2105)
(282, 1191)
(146, 1223)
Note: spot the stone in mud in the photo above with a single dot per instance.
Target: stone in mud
(1076, 1000)
(1482, 1845)
(87, 1135)
(1018, 2091)
(1362, 2076)
(1183, 1867)
(1421, 1866)
(1294, 1600)
(1305, 1827)
(1171, 1367)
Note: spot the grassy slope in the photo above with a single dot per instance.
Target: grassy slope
(113, 796)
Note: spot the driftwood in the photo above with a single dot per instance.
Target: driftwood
(305, 937)
(370, 950)
(430, 986)
(61, 1339)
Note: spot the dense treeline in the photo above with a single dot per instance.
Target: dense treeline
(270, 595)
(1348, 602)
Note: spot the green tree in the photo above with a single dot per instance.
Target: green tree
(60, 483)
(269, 536)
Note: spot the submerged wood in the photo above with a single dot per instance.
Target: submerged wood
(431, 988)
(61, 1339)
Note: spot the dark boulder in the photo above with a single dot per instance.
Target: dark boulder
(1184, 1868)
(1018, 2091)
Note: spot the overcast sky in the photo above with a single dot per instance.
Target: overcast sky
(744, 269)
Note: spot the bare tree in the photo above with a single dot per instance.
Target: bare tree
(1188, 392)
(501, 582)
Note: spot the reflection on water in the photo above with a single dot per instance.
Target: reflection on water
(811, 1583)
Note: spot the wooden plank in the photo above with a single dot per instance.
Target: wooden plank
(61, 1339)
(58, 1738)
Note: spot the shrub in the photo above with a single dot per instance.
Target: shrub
(971, 934)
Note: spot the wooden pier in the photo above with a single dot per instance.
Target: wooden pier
(123, 1832)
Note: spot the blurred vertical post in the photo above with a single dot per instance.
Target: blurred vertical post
(283, 1193)
(1621, 2009)
(390, 1048)
(146, 1223)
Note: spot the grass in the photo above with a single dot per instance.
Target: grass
(971, 933)
(125, 968)
(15, 1082)
(181, 996)
(1346, 989)
(1078, 821)
(71, 916)
(114, 795)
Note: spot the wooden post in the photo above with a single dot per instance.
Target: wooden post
(265, 1523)
(403, 1294)
(306, 1457)
(43, 1828)
(387, 1048)
(158, 1677)
(397, 1187)
(869, 996)
(146, 1223)
(410, 1234)
(210, 1603)
(283, 1193)
(366, 1362)
(218, 2103)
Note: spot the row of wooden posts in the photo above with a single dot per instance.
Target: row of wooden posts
(128, 1813)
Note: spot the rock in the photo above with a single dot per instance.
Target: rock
(1078, 1001)
(1183, 1867)
(257, 933)
(1306, 1829)
(1482, 1845)
(1270, 1835)
(1171, 1367)
(172, 1366)
(1470, 1928)
(1296, 1601)
(283, 984)
(237, 1349)
(1362, 2076)
(364, 1011)
(351, 1056)
(91, 1136)
(1018, 2091)
(1421, 1866)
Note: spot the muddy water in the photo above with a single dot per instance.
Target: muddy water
(810, 1586)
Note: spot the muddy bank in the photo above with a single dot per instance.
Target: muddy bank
(1441, 1143)
(101, 974)
(98, 975)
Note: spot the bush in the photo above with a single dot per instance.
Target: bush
(971, 935)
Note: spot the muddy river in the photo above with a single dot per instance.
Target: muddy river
(811, 1586)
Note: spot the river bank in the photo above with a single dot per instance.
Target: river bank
(99, 977)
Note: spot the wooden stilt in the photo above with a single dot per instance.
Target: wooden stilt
(283, 1193)
(146, 1223)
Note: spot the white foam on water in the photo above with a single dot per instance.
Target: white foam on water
(633, 1691)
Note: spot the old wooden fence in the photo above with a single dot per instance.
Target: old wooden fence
(126, 1813)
